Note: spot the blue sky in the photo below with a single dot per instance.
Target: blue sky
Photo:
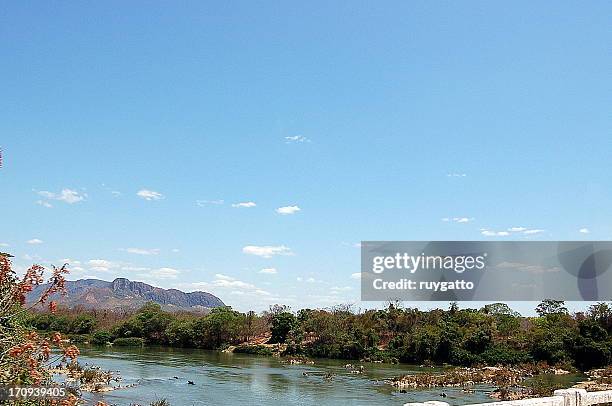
(379, 121)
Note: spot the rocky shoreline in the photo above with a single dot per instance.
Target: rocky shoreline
(509, 382)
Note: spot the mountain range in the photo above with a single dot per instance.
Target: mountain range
(122, 293)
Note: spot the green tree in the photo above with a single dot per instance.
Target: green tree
(551, 307)
(282, 324)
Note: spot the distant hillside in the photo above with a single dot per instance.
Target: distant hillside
(123, 293)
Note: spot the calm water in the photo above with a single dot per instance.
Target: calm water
(234, 379)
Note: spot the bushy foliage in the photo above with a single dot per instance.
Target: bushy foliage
(253, 349)
(101, 337)
(282, 324)
(129, 342)
(26, 355)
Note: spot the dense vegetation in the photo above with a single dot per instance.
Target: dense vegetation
(492, 335)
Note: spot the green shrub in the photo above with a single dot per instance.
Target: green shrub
(129, 342)
(253, 349)
(101, 337)
(501, 354)
(464, 358)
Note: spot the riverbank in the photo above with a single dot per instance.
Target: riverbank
(492, 335)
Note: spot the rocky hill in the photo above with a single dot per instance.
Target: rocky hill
(123, 293)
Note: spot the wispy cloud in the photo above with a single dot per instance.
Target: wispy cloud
(44, 203)
(267, 251)
(69, 196)
(141, 251)
(456, 175)
(511, 231)
(203, 203)
(149, 194)
(533, 231)
(165, 273)
(285, 210)
(458, 219)
(489, 233)
(338, 289)
(236, 285)
(244, 204)
(113, 192)
(3, 244)
(296, 139)
(269, 271)
(307, 280)
(584, 231)
(35, 241)
(356, 275)
(101, 265)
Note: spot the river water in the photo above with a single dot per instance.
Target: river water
(236, 379)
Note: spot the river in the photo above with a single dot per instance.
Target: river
(236, 379)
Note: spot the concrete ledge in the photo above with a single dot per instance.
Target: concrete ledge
(562, 397)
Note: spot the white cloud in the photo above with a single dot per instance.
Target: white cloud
(3, 244)
(225, 281)
(149, 194)
(135, 268)
(244, 204)
(458, 219)
(142, 251)
(267, 251)
(90, 277)
(510, 231)
(308, 280)
(296, 139)
(115, 193)
(338, 289)
(489, 233)
(101, 265)
(288, 210)
(203, 203)
(584, 230)
(165, 273)
(356, 275)
(34, 241)
(463, 219)
(533, 231)
(456, 175)
(175, 250)
(269, 271)
(44, 203)
(69, 196)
